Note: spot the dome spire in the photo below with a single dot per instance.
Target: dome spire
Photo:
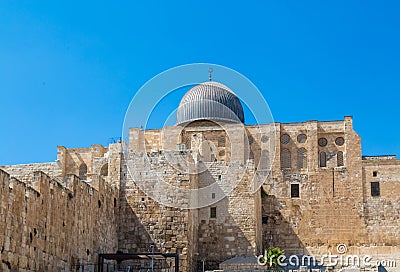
(210, 70)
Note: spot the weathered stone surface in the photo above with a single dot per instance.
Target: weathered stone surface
(54, 226)
(63, 216)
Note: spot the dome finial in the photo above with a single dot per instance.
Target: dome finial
(210, 70)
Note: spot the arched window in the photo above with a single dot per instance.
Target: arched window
(339, 158)
(322, 159)
(221, 141)
(302, 158)
(82, 171)
(285, 158)
(104, 170)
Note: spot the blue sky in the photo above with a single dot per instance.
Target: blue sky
(68, 69)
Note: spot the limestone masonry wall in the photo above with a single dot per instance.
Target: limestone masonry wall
(50, 226)
(145, 222)
(317, 191)
(25, 172)
(382, 213)
(234, 231)
(334, 205)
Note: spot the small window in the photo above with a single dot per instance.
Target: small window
(339, 158)
(82, 171)
(375, 189)
(285, 139)
(265, 219)
(302, 158)
(322, 159)
(294, 190)
(339, 141)
(221, 142)
(181, 147)
(213, 212)
(264, 138)
(302, 138)
(219, 177)
(375, 174)
(213, 195)
(322, 142)
(285, 158)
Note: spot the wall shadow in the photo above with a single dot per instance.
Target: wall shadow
(219, 241)
(277, 231)
(227, 235)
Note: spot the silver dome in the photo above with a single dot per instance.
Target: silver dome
(210, 101)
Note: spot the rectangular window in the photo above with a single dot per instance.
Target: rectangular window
(181, 147)
(322, 159)
(340, 160)
(265, 219)
(375, 189)
(294, 190)
(213, 212)
(375, 173)
(213, 195)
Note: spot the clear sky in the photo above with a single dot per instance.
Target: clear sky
(68, 69)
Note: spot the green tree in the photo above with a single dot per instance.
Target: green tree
(272, 255)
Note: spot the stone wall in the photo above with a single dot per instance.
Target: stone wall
(71, 159)
(191, 233)
(24, 172)
(210, 145)
(382, 212)
(235, 230)
(67, 221)
(328, 210)
(53, 226)
(145, 222)
(335, 205)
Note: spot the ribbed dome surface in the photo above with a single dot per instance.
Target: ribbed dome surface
(210, 101)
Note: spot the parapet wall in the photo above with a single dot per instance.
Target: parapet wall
(53, 226)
